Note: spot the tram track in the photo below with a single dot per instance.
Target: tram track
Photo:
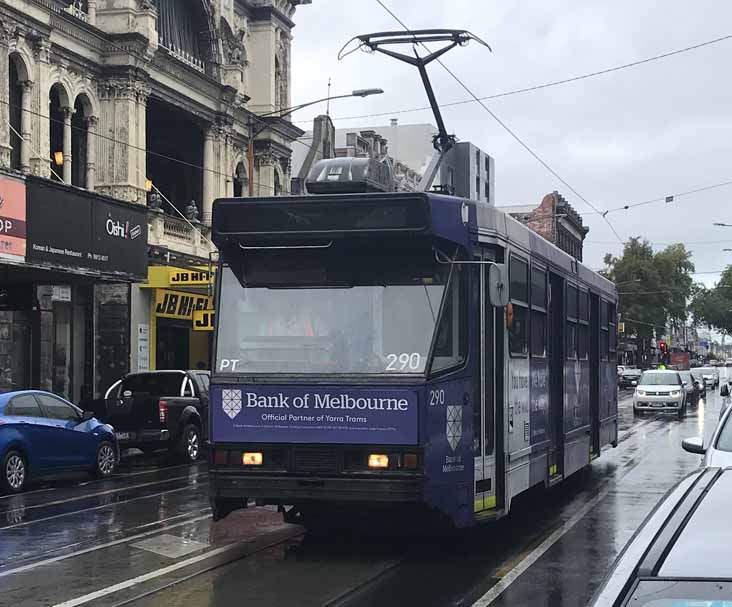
(218, 558)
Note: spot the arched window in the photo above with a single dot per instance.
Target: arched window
(16, 113)
(57, 104)
(241, 183)
(79, 138)
(277, 183)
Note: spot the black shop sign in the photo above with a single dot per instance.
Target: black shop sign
(82, 230)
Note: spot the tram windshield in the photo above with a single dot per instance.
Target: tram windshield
(338, 312)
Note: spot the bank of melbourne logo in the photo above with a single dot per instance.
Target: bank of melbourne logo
(454, 425)
(231, 402)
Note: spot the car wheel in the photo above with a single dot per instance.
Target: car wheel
(189, 445)
(682, 412)
(106, 460)
(636, 413)
(15, 472)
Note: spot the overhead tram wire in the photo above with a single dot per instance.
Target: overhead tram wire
(545, 85)
(508, 129)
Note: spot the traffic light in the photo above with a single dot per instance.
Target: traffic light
(662, 346)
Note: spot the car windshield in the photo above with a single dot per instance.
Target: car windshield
(335, 313)
(706, 371)
(659, 379)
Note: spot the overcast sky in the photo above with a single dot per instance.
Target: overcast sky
(633, 135)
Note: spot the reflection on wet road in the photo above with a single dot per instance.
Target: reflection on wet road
(145, 538)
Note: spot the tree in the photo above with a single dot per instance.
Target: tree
(714, 306)
(653, 288)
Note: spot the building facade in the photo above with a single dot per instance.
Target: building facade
(556, 220)
(147, 104)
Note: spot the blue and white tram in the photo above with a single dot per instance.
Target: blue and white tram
(360, 362)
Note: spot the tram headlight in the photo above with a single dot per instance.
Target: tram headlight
(378, 460)
(252, 459)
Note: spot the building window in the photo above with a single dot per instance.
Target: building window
(477, 160)
(477, 188)
(180, 25)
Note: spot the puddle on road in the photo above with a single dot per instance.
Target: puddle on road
(170, 546)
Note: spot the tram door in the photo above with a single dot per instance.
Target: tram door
(488, 412)
(556, 375)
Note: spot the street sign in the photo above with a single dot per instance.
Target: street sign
(621, 327)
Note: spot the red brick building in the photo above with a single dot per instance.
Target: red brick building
(556, 220)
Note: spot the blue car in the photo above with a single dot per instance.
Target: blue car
(42, 434)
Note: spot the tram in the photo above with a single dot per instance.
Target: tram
(413, 353)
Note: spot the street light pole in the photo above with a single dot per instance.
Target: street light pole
(286, 112)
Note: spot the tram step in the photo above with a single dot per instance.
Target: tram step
(554, 479)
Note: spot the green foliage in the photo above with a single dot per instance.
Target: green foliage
(653, 288)
(714, 306)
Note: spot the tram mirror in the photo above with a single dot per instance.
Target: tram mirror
(497, 285)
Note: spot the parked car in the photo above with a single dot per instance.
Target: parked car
(728, 362)
(160, 410)
(661, 392)
(692, 387)
(42, 434)
(630, 375)
(679, 555)
(710, 375)
(719, 450)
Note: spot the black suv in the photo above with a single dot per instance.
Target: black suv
(680, 555)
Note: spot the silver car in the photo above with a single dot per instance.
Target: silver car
(710, 375)
(719, 451)
(660, 391)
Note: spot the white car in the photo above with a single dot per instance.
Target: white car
(719, 451)
(661, 392)
(710, 375)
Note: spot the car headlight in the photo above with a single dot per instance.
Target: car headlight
(676, 393)
(640, 392)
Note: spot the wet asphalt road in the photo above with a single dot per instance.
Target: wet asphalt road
(145, 538)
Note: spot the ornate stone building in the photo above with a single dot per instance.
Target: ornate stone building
(129, 92)
(120, 123)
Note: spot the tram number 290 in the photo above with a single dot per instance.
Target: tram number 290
(437, 397)
(403, 361)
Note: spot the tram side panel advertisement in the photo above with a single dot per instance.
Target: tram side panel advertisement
(576, 394)
(335, 415)
(539, 395)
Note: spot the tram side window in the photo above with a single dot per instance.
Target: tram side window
(583, 328)
(538, 313)
(604, 332)
(571, 347)
(518, 334)
(612, 328)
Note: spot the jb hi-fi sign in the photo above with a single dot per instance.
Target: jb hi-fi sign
(179, 305)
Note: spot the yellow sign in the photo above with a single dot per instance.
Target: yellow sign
(177, 277)
(180, 305)
(165, 277)
(621, 327)
(203, 320)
